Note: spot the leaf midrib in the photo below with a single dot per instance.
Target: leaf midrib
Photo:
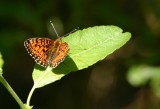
(90, 48)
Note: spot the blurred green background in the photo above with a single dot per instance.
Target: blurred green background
(127, 79)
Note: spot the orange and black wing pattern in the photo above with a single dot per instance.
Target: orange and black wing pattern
(46, 51)
(38, 48)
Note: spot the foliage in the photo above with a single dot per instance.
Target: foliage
(25, 19)
(1, 63)
(143, 74)
(84, 52)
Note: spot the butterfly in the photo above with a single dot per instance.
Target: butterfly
(47, 52)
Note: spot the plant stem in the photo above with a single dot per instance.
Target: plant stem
(30, 95)
(36, 83)
(11, 91)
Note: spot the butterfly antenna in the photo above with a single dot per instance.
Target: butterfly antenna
(54, 28)
(71, 31)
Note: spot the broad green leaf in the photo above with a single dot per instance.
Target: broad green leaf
(87, 46)
(1, 63)
(91, 45)
(43, 76)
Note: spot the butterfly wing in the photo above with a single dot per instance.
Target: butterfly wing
(61, 52)
(37, 48)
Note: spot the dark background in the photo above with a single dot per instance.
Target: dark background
(101, 86)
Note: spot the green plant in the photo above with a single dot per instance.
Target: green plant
(87, 46)
(140, 75)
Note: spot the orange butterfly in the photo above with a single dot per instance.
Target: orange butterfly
(46, 51)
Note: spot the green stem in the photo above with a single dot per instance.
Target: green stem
(36, 83)
(11, 91)
(30, 95)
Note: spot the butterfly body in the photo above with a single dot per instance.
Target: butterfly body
(46, 51)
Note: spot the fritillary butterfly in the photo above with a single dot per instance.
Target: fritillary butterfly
(46, 51)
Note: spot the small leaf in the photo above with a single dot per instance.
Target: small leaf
(140, 75)
(87, 46)
(143, 74)
(1, 63)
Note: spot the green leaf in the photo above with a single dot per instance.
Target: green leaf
(43, 76)
(87, 46)
(143, 74)
(1, 64)
(140, 75)
(91, 45)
